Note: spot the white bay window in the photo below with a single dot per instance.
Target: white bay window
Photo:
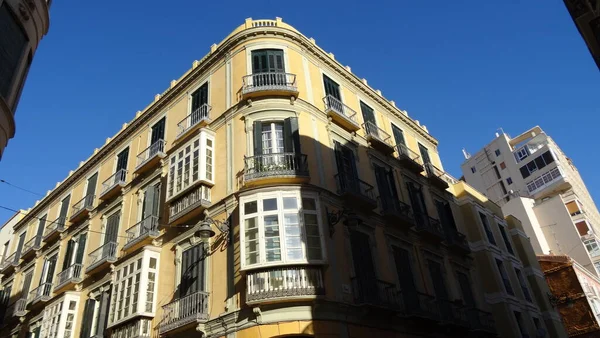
(60, 317)
(193, 162)
(281, 228)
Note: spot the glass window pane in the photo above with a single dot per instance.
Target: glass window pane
(270, 204)
(309, 204)
(250, 207)
(290, 203)
(272, 240)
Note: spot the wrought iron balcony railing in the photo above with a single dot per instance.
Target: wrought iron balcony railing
(336, 106)
(272, 81)
(428, 224)
(33, 244)
(155, 149)
(148, 227)
(41, 293)
(190, 201)
(393, 207)
(405, 152)
(481, 320)
(70, 275)
(183, 311)
(375, 133)
(370, 291)
(10, 260)
(85, 204)
(20, 307)
(420, 305)
(452, 312)
(283, 283)
(355, 186)
(114, 180)
(58, 225)
(201, 114)
(105, 253)
(275, 165)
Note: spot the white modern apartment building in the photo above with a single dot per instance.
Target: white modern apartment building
(533, 180)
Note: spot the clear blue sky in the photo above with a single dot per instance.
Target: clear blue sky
(463, 68)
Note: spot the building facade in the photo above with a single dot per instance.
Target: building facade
(6, 237)
(586, 16)
(268, 192)
(575, 293)
(23, 23)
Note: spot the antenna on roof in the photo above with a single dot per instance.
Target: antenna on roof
(466, 154)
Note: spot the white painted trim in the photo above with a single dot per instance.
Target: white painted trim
(228, 83)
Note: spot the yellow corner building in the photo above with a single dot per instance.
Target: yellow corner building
(268, 192)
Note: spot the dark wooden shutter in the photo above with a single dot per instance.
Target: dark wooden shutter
(367, 113)
(51, 269)
(259, 61)
(64, 207)
(151, 197)
(331, 88)
(122, 159)
(449, 216)
(382, 186)
(199, 98)
(80, 248)
(40, 230)
(26, 285)
(257, 138)
(68, 255)
(158, 131)
(465, 287)
(441, 293)
(291, 135)
(416, 198)
(392, 184)
(91, 186)
(406, 278)
(192, 271)
(398, 135)
(20, 246)
(112, 227)
(88, 314)
(363, 266)
(424, 154)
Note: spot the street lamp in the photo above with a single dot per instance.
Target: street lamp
(205, 230)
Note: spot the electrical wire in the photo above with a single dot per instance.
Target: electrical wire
(23, 189)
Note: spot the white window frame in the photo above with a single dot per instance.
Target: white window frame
(44, 274)
(279, 195)
(55, 321)
(75, 238)
(594, 252)
(521, 154)
(273, 132)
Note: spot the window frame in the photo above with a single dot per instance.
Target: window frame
(205, 80)
(487, 229)
(503, 272)
(273, 45)
(280, 211)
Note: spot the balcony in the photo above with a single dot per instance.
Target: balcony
(378, 138)
(113, 185)
(191, 309)
(420, 305)
(9, 262)
(150, 157)
(20, 308)
(105, 254)
(429, 227)
(82, 208)
(552, 181)
(197, 119)
(42, 293)
(31, 246)
(276, 168)
(142, 231)
(452, 313)
(138, 328)
(409, 159)
(340, 113)
(397, 212)
(53, 229)
(356, 192)
(72, 275)
(376, 293)
(272, 84)
(481, 320)
(283, 284)
(457, 241)
(191, 204)
(436, 176)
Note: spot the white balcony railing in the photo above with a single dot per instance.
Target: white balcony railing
(41, 293)
(183, 311)
(58, 225)
(199, 196)
(147, 154)
(20, 307)
(376, 133)
(117, 178)
(33, 244)
(86, 203)
(9, 261)
(284, 282)
(148, 227)
(201, 113)
(70, 275)
(335, 105)
(544, 180)
(270, 81)
(105, 253)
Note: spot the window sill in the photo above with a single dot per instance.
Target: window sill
(276, 264)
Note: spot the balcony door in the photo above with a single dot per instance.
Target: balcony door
(40, 230)
(446, 218)
(268, 68)
(157, 134)
(346, 166)
(331, 88)
(150, 207)
(406, 279)
(415, 192)
(26, 284)
(122, 159)
(199, 102)
(20, 246)
(364, 268)
(91, 188)
(369, 118)
(112, 228)
(48, 274)
(465, 288)
(398, 135)
(441, 293)
(75, 252)
(192, 281)
(386, 186)
(424, 154)
(64, 209)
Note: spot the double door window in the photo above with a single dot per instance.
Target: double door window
(347, 171)
(387, 188)
(75, 252)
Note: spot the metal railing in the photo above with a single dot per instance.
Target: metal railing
(148, 153)
(201, 113)
(33, 244)
(269, 81)
(543, 180)
(480, 320)
(85, 203)
(185, 310)
(58, 225)
(8, 261)
(72, 274)
(452, 312)
(354, 185)
(41, 293)
(454, 237)
(142, 229)
(335, 105)
(371, 291)
(273, 165)
(114, 180)
(373, 131)
(433, 171)
(200, 196)
(420, 304)
(20, 307)
(392, 206)
(405, 152)
(105, 253)
(429, 224)
(283, 282)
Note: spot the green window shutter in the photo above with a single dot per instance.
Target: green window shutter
(91, 186)
(331, 88)
(257, 138)
(367, 113)
(80, 248)
(424, 154)
(68, 255)
(291, 135)
(398, 135)
(86, 323)
(122, 159)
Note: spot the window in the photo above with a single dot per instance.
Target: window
(199, 107)
(365, 278)
(424, 154)
(122, 158)
(134, 286)
(331, 88)
(281, 228)
(272, 138)
(47, 276)
(505, 238)
(60, 318)
(592, 247)
(90, 187)
(497, 152)
(74, 254)
(405, 275)
(192, 273)
(64, 209)
(521, 154)
(96, 312)
(502, 165)
(151, 203)
(597, 266)
(387, 187)
(398, 135)
(473, 170)
(486, 227)
(520, 324)
(368, 117)
(267, 61)
(276, 137)
(13, 42)
(509, 181)
(466, 290)
(444, 211)
(539, 162)
(191, 164)
(347, 175)
(4, 301)
(417, 201)
(523, 284)
(504, 275)
(20, 245)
